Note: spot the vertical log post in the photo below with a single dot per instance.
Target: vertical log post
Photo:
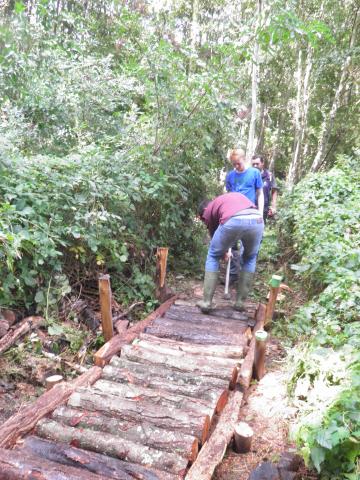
(243, 435)
(162, 293)
(260, 351)
(105, 305)
(274, 290)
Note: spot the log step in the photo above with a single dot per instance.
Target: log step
(222, 351)
(144, 433)
(212, 390)
(140, 410)
(89, 462)
(226, 363)
(112, 445)
(230, 317)
(192, 364)
(200, 326)
(21, 465)
(159, 398)
(190, 335)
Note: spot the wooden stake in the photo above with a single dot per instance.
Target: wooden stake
(275, 283)
(243, 435)
(260, 350)
(105, 304)
(162, 292)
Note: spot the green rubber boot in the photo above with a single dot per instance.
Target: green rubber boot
(210, 282)
(243, 287)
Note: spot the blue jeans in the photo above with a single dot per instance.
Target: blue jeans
(247, 228)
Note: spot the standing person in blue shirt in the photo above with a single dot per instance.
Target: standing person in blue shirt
(245, 180)
(270, 188)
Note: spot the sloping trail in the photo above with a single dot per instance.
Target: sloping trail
(144, 415)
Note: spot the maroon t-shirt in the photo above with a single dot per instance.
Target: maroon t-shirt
(222, 208)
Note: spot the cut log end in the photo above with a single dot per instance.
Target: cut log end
(243, 435)
(53, 380)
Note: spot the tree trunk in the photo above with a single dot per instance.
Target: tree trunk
(112, 445)
(262, 121)
(329, 119)
(250, 149)
(142, 411)
(25, 420)
(229, 351)
(194, 32)
(157, 397)
(302, 107)
(145, 433)
(196, 365)
(20, 465)
(106, 467)
(170, 381)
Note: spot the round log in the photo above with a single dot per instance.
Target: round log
(200, 327)
(20, 465)
(222, 351)
(192, 364)
(176, 332)
(144, 433)
(106, 467)
(160, 398)
(214, 391)
(142, 411)
(172, 350)
(112, 445)
(243, 435)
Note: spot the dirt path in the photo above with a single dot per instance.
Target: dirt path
(267, 411)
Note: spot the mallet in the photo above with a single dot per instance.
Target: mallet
(227, 295)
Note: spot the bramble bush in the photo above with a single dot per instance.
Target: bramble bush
(322, 219)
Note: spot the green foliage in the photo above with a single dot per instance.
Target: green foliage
(105, 151)
(322, 220)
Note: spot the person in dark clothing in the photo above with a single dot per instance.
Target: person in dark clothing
(269, 186)
(229, 218)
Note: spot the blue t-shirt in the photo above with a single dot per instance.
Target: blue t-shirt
(246, 182)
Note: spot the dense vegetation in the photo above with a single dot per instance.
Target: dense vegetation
(115, 120)
(323, 221)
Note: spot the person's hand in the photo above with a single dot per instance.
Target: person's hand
(227, 256)
(272, 211)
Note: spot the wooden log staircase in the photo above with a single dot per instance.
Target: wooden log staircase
(163, 407)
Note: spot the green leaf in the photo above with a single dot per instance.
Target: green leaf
(55, 329)
(39, 297)
(19, 7)
(317, 457)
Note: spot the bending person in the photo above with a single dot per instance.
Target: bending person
(229, 218)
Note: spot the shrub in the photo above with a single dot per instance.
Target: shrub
(322, 219)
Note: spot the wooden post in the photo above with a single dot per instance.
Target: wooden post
(243, 435)
(105, 304)
(161, 254)
(260, 350)
(274, 290)
(162, 292)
